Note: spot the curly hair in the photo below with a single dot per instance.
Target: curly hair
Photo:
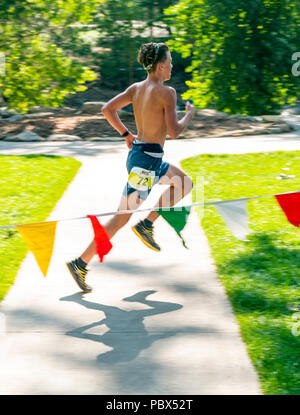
(151, 53)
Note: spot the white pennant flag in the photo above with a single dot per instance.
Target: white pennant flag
(235, 215)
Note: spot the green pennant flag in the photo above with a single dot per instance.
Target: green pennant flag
(177, 219)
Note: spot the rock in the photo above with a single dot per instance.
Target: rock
(273, 130)
(5, 113)
(35, 109)
(92, 107)
(15, 118)
(257, 130)
(38, 115)
(25, 136)
(291, 111)
(243, 117)
(234, 133)
(212, 113)
(284, 127)
(38, 109)
(271, 118)
(63, 137)
(237, 133)
(292, 120)
(65, 109)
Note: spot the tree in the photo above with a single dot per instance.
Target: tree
(38, 71)
(122, 24)
(240, 52)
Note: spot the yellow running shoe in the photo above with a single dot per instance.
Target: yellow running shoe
(145, 233)
(79, 275)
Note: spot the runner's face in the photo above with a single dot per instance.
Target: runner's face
(168, 66)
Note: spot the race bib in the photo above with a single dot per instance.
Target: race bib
(141, 179)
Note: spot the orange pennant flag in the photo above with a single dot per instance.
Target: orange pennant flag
(39, 238)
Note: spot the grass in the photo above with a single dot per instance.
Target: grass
(30, 187)
(261, 276)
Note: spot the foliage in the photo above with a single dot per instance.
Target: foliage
(38, 71)
(234, 56)
(122, 26)
(241, 52)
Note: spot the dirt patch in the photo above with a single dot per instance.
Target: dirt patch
(86, 126)
(203, 126)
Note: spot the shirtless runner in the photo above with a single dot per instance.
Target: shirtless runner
(154, 106)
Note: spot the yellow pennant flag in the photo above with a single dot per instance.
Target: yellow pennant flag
(39, 238)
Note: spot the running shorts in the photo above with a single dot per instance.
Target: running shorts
(145, 167)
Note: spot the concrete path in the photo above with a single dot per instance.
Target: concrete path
(156, 323)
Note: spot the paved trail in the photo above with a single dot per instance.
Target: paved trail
(156, 323)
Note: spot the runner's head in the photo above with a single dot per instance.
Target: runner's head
(153, 55)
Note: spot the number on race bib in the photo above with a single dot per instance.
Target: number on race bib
(141, 179)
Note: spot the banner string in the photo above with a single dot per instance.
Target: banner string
(121, 212)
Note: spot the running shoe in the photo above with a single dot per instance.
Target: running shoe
(79, 275)
(145, 233)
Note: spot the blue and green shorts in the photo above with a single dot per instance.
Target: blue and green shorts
(145, 167)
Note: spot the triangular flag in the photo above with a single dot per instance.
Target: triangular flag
(290, 204)
(103, 244)
(176, 217)
(234, 214)
(39, 238)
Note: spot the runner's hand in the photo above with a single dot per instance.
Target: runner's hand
(189, 107)
(129, 139)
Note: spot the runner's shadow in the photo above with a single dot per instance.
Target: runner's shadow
(127, 335)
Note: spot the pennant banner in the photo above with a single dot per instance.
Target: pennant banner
(120, 212)
(177, 219)
(39, 238)
(103, 244)
(290, 204)
(235, 216)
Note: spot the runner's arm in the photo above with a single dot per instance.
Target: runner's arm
(174, 127)
(109, 110)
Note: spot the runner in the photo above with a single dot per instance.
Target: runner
(154, 106)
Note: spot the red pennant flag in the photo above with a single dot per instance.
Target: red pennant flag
(290, 204)
(103, 244)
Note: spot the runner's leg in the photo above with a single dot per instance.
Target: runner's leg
(180, 185)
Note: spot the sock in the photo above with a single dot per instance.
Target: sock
(148, 223)
(81, 263)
